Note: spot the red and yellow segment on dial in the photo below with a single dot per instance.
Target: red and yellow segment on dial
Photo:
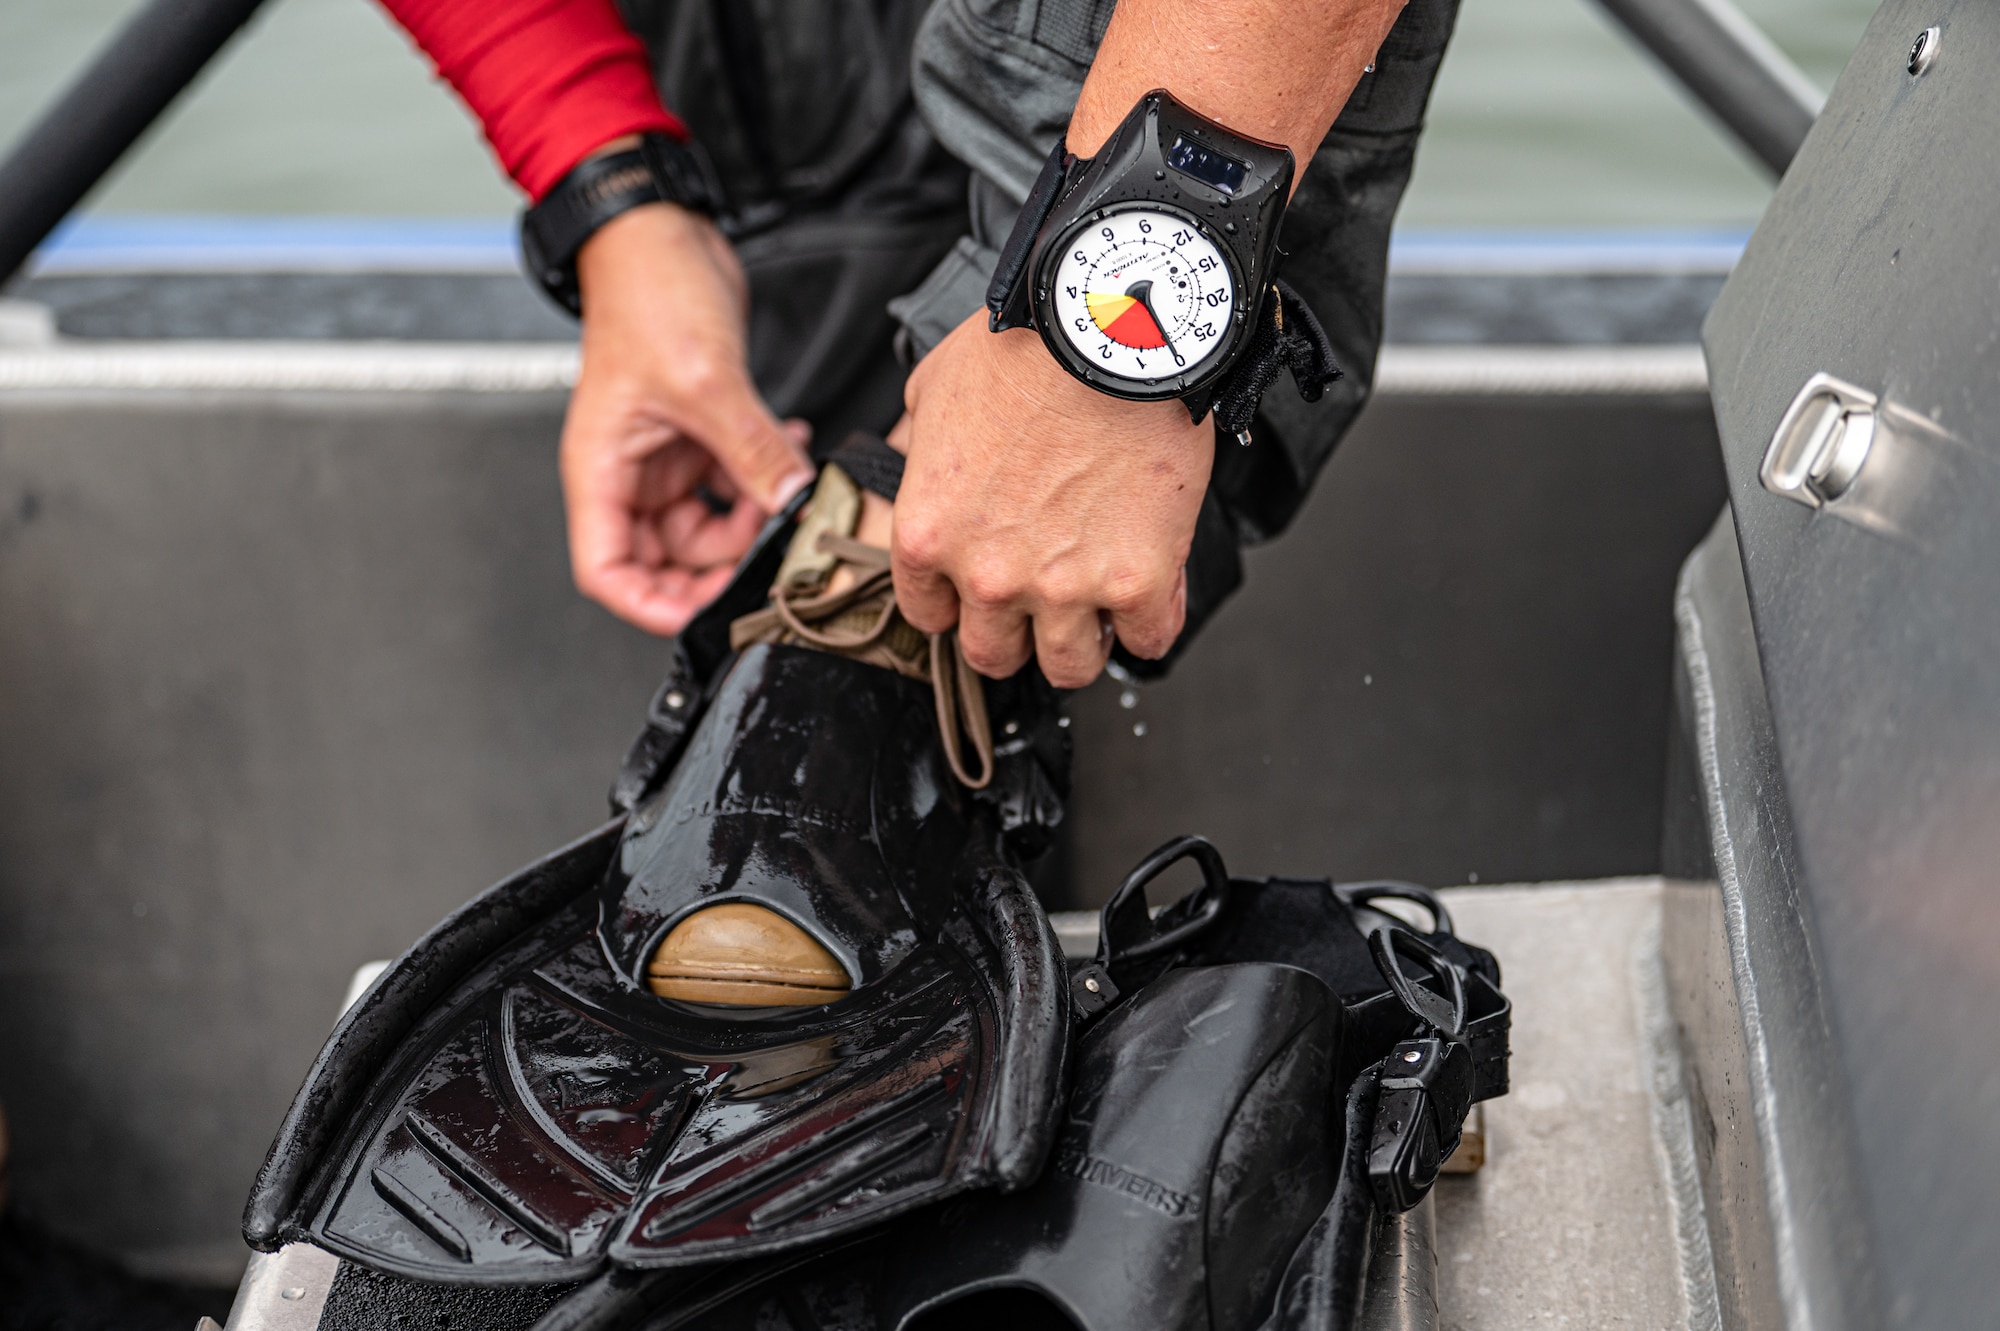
(1125, 320)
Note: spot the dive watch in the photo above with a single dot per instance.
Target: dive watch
(1148, 269)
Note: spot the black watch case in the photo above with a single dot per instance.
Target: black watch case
(1150, 259)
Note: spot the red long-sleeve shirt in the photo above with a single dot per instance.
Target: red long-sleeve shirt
(550, 80)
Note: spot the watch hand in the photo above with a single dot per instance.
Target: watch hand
(1142, 291)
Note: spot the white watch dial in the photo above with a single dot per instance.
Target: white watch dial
(1143, 295)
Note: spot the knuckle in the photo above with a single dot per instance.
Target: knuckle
(1151, 641)
(1064, 591)
(927, 617)
(700, 377)
(1130, 591)
(989, 585)
(920, 541)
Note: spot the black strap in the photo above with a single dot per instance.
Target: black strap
(1288, 336)
(1133, 944)
(1446, 1012)
(869, 463)
(1007, 296)
(670, 718)
(1357, 895)
(659, 170)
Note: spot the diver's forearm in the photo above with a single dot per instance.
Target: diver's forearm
(1277, 70)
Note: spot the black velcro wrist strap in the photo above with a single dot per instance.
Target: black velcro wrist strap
(659, 170)
(1007, 296)
(1288, 336)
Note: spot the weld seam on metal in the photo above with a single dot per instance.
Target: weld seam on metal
(1673, 1135)
(1792, 1285)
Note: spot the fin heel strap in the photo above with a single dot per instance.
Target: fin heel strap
(793, 614)
(961, 709)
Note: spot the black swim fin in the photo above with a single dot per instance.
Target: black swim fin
(1200, 1144)
(1216, 1167)
(512, 1103)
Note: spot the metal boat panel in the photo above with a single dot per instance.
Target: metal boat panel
(1872, 586)
(1772, 1137)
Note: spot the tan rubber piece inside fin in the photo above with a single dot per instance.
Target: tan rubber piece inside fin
(740, 954)
(834, 508)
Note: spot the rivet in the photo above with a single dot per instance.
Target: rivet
(293, 1294)
(1414, 1056)
(1091, 985)
(676, 699)
(1923, 51)
(1013, 727)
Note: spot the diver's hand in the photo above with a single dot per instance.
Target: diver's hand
(670, 459)
(1038, 514)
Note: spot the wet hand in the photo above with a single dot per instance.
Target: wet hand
(670, 459)
(1038, 515)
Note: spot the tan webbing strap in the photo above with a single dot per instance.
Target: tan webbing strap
(961, 700)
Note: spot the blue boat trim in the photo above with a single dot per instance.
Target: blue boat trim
(120, 242)
(1414, 251)
(102, 243)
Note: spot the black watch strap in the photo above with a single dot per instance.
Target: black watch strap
(660, 170)
(1288, 336)
(1007, 296)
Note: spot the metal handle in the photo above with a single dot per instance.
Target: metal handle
(1821, 442)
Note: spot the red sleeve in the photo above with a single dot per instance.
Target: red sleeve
(550, 80)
